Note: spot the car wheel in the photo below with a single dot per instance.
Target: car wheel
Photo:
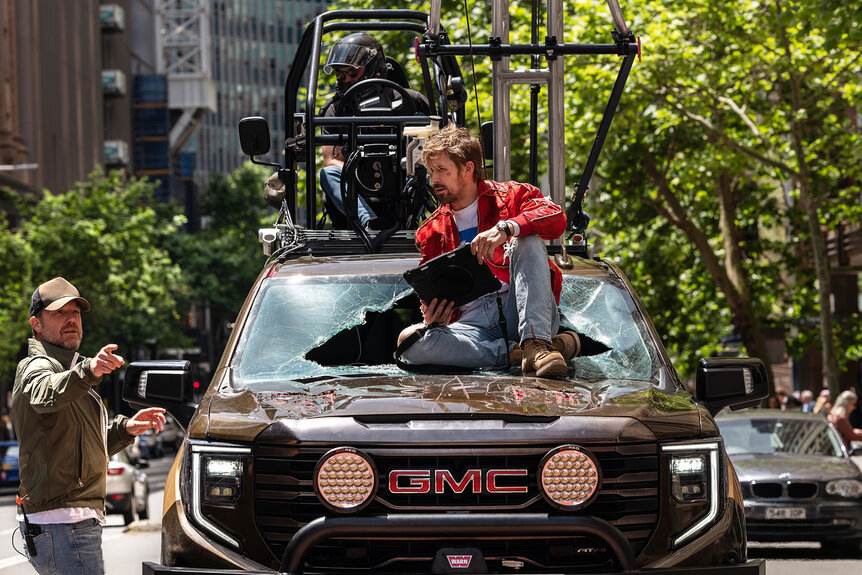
(144, 511)
(129, 514)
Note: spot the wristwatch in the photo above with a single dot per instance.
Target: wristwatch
(503, 226)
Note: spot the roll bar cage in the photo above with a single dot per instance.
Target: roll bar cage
(443, 85)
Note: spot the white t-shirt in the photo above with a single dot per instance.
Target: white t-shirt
(64, 515)
(467, 221)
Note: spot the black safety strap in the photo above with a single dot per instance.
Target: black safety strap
(503, 325)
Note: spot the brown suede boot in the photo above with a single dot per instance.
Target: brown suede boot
(567, 343)
(542, 360)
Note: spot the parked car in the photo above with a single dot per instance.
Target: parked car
(9, 463)
(128, 490)
(798, 482)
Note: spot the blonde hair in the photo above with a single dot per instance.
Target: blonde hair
(844, 399)
(457, 143)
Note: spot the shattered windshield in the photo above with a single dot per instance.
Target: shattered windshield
(303, 328)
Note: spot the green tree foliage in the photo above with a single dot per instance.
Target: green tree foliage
(221, 262)
(743, 127)
(15, 290)
(734, 144)
(106, 238)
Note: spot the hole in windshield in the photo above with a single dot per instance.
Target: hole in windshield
(305, 327)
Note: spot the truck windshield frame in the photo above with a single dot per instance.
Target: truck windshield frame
(293, 317)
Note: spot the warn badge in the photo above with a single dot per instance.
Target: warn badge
(461, 560)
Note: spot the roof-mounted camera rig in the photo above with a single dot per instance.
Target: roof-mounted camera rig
(386, 137)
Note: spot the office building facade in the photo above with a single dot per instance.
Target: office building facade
(253, 43)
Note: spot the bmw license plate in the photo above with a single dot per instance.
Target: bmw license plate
(785, 513)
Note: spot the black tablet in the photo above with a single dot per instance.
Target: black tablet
(455, 276)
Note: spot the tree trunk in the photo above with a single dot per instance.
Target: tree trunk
(824, 290)
(810, 201)
(738, 295)
(744, 318)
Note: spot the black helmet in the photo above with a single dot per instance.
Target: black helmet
(358, 50)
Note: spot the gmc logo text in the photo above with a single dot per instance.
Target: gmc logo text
(438, 480)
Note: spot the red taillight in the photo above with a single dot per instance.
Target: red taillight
(118, 496)
(115, 471)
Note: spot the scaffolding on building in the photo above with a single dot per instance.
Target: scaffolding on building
(183, 55)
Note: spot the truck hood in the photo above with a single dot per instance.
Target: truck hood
(641, 409)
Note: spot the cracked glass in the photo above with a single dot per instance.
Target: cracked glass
(302, 329)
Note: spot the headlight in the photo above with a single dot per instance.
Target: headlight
(849, 488)
(695, 479)
(688, 477)
(222, 480)
(345, 480)
(216, 474)
(569, 477)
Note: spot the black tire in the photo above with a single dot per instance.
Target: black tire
(145, 512)
(129, 516)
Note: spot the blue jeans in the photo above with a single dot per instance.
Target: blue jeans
(330, 183)
(68, 548)
(476, 340)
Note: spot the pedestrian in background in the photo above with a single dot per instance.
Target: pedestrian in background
(65, 436)
(807, 397)
(822, 404)
(844, 405)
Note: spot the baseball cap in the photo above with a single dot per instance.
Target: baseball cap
(54, 294)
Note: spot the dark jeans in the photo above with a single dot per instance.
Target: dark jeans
(68, 548)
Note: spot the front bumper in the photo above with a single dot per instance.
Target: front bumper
(447, 527)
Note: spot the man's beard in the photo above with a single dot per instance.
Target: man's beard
(444, 195)
(69, 342)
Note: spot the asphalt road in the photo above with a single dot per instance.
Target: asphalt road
(125, 548)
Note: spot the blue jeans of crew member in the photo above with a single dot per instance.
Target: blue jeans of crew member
(330, 183)
(68, 548)
(476, 339)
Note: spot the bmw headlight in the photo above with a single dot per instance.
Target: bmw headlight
(696, 486)
(849, 488)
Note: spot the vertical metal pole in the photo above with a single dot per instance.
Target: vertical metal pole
(556, 112)
(434, 16)
(502, 128)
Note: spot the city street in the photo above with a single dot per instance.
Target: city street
(126, 548)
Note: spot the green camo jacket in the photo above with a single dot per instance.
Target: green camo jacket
(59, 420)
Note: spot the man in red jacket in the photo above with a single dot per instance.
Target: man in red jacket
(504, 223)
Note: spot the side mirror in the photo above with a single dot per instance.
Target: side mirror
(254, 136)
(165, 384)
(730, 382)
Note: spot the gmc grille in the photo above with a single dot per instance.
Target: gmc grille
(285, 501)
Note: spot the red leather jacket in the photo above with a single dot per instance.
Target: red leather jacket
(521, 203)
